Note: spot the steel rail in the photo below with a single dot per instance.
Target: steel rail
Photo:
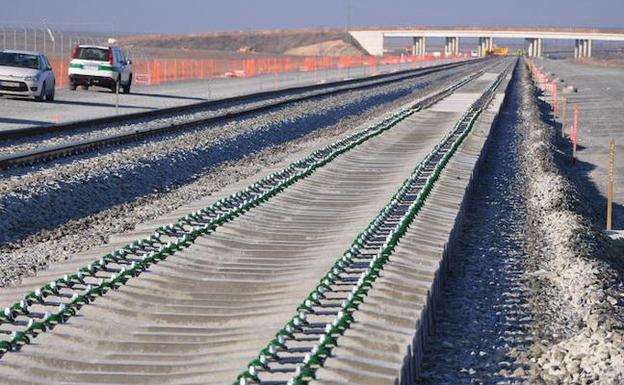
(153, 114)
(84, 146)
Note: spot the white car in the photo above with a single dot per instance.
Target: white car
(100, 66)
(24, 73)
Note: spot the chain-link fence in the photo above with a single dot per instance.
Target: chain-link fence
(55, 43)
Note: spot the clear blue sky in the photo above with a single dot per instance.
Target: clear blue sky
(136, 16)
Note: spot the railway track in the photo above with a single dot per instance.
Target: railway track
(47, 153)
(306, 341)
(45, 307)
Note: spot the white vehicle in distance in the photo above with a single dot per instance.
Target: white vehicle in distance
(25, 73)
(100, 66)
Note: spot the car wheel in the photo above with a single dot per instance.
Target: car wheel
(50, 96)
(42, 94)
(72, 86)
(126, 88)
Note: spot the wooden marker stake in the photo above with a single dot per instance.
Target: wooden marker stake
(610, 187)
(563, 116)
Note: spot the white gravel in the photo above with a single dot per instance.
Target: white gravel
(576, 295)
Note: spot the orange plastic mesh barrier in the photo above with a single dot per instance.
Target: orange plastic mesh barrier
(157, 71)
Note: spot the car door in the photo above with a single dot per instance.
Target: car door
(123, 65)
(48, 74)
(127, 66)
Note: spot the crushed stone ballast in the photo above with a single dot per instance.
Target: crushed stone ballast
(52, 152)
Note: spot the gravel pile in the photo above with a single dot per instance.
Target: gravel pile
(575, 293)
(52, 211)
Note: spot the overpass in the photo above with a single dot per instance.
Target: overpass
(372, 40)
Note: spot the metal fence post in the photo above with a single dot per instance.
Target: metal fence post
(45, 44)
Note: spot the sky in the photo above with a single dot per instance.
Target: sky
(185, 16)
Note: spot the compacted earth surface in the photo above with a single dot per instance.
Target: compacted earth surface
(534, 294)
(598, 91)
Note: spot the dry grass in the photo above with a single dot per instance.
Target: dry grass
(333, 42)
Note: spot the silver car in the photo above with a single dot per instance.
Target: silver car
(24, 73)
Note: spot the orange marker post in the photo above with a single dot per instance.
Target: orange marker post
(555, 100)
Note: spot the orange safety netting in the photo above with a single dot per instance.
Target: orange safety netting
(156, 71)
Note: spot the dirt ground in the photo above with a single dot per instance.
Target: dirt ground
(332, 42)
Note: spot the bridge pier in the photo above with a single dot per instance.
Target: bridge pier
(485, 44)
(535, 47)
(582, 48)
(452, 46)
(419, 47)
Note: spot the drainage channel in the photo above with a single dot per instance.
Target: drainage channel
(56, 302)
(307, 340)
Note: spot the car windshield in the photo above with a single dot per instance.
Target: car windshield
(21, 60)
(90, 53)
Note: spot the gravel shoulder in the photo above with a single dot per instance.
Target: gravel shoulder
(98, 102)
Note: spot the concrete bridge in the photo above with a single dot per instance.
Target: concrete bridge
(372, 40)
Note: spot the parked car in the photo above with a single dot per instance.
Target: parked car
(25, 73)
(106, 67)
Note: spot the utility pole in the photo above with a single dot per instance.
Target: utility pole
(348, 15)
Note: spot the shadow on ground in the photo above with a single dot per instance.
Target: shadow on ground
(593, 203)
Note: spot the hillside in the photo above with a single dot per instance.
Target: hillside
(329, 42)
